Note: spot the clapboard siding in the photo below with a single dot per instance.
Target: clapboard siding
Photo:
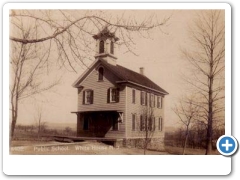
(137, 109)
(100, 98)
(100, 92)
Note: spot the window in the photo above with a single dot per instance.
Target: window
(133, 95)
(100, 73)
(143, 98)
(160, 124)
(152, 100)
(159, 102)
(133, 122)
(112, 48)
(154, 124)
(142, 123)
(101, 47)
(113, 95)
(88, 96)
(85, 123)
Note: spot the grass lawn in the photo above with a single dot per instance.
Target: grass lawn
(188, 151)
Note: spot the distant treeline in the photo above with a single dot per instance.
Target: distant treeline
(196, 138)
(36, 132)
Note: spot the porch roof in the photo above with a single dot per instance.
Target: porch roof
(120, 111)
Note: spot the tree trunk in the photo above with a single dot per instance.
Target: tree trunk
(14, 117)
(210, 108)
(185, 142)
(14, 120)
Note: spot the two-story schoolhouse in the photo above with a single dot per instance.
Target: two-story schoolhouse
(111, 97)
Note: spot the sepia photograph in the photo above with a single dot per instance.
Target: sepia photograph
(116, 82)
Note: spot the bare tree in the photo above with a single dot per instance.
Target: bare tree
(41, 125)
(27, 68)
(206, 57)
(69, 33)
(147, 126)
(187, 112)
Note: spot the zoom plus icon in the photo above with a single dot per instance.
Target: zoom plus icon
(227, 145)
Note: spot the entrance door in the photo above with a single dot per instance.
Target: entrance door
(102, 124)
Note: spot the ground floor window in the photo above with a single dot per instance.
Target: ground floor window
(142, 123)
(133, 122)
(160, 124)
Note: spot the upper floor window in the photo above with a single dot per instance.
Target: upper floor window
(133, 95)
(101, 47)
(113, 95)
(143, 98)
(152, 100)
(112, 48)
(88, 96)
(159, 102)
(100, 73)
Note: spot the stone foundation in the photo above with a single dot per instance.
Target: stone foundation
(156, 144)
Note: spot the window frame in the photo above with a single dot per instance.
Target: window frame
(152, 100)
(100, 74)
(133, 122)
(159, 102)
(160, 123)
(144, 100)
(85, 97)
(110, 95)
(134, 96)
(143, 121)
(101, 47)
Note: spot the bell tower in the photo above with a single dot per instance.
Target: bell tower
(105, 46)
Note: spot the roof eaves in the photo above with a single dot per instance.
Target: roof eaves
(130, 82)
(83, 74)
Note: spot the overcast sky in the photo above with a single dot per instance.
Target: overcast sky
(160, 56)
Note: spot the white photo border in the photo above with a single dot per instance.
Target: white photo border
(122, 164)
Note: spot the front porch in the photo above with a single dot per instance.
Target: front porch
(100, 124)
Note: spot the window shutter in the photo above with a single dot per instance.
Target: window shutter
(92, 96)
(146, 99)
(141, 123)
(154, 124)
(108, 95)
(117, 94)
(83, 100)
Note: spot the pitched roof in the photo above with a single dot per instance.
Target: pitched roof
(125, 75)
(131, 76)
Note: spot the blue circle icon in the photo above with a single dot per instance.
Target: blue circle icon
(227, 145)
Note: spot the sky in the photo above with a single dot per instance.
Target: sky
(160, 56)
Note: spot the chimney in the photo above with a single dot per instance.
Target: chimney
(141, 70)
